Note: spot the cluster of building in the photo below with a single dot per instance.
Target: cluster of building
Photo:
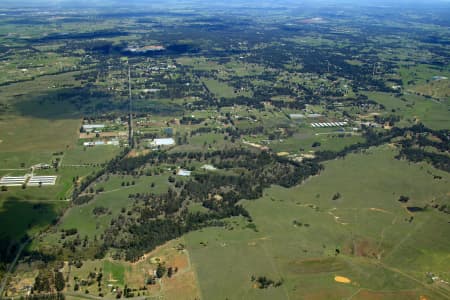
(329, 124)
(28, 180)
(103, 136)
(41, 166)
(167, 67)
(93, 127)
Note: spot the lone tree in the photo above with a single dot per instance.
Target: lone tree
(160, 271)
(336, 196)
(403, 199)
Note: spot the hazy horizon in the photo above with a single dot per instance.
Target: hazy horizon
(121, 3)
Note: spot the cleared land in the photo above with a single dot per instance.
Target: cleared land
(117, 274)
(300, 230)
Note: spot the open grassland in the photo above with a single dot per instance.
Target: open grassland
(22, 161)
(198, 63)
(329, 141)
(34, 120)
(23, 134)
(80, 155)
(17, 68)
(240, 68)
(435, 88)
(222, 89)
(11, 93)
(413, 108)
(305, 238)
(419, 78)
(114, 271)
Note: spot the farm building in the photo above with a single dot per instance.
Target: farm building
(163, 142)
(182, 172)
(209, 167)
(151, 90)
(329, 124)
(13, 180)
(41, 166)
(439, 78)
(296, 116)
(92, 144)
(92, 127)
(42, 180)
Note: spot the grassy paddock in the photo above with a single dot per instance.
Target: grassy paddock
(379, 249)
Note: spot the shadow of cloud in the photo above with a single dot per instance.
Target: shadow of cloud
(17, 219)
(70, 103)
(56, 104)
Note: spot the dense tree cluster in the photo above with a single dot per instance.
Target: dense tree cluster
(420, 144)
(48, 281)
(159, 218)
(263, 282)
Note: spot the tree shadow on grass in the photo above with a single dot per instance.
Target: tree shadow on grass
(17, 219)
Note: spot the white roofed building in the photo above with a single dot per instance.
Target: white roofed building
(163, 142)
(91, 127)
(182, 172)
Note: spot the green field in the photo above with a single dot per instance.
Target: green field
(80, 155)
(23, 160)
(379, 250)
(332, 141)
(23, 134)
(114, 272)
(222, 89)
(430, 112)
(419, 78)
